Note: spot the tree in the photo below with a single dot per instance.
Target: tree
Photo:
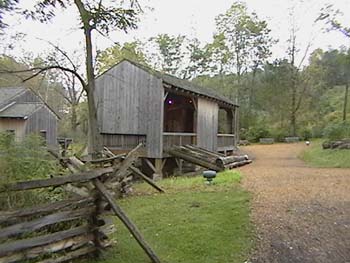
(337, 72)
(5, 7)
(242, 44)
(247, 42)
(168, 53)
(330, 16)
(93, 16)
(113, 55)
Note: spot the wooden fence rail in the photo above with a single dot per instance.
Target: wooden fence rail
(64, 230)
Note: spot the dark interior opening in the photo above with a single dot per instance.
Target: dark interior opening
(225, 121)
(178, 114)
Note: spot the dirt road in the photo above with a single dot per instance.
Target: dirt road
(302, 214)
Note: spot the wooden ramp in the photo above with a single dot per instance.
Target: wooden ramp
(207, 159)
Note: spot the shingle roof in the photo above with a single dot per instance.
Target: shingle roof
(7, 93)
(20, 110)
(182, 84)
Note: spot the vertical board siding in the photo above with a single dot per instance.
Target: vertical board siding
(43, 119)
(27, 96)
(18, 125)
(130, 101)
(207, 124)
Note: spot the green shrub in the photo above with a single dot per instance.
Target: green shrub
(278, 134)
(253, 134)
(337, 131)
(22, 161)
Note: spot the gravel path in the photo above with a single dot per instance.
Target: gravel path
(302, 214)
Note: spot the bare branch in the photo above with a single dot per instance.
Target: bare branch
(39, 70)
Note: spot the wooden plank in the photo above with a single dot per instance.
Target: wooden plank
(71, 255)
(19, 245)
(129, 160)
(41, 222)
(127, 222)
(150, 164)
(107, 160)
(194, 160)
(204, 151)
(56, 181)
(10, 216)
(145, 178)
(70, 243)
(237, 164)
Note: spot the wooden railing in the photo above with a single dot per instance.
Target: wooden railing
(226, 141)
(176, 138)
(65, 230)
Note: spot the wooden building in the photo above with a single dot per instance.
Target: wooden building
(137, 104)
(22, 112)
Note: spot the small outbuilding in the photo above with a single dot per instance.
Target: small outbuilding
(23, 112)
(138, 104)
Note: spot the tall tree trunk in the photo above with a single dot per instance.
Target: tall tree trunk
(95, 143)
(74, 119)
(345, 101)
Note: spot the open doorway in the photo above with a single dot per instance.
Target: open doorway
(179, 114)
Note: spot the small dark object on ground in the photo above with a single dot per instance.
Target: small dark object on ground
(209, 175)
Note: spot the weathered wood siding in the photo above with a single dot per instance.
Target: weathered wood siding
(130, 101)
(27, 96)
(43, 120)
(207, 124)
(17, 125)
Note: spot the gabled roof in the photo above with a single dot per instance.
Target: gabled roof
(174, 82)
(7, 93)
(20, 110)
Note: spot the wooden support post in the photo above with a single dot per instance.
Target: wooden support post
(126, 221)
(179, 163)
(159, 164)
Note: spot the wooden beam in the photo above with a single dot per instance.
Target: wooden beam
(22, 256)
(150, 164)
(41, 222)
(56, 181)
(126, 221)
(20, 245)
(165, 95)
(71, 255)
(13, 216)
(146, 179)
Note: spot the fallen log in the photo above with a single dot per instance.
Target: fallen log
(339, 144)
(237, 164)
(222, 161)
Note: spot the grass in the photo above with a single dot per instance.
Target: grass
(191, 223)
(318, 157)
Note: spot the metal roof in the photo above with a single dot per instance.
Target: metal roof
(7, 93)
(20, 110)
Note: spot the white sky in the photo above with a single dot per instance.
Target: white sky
(194, 18)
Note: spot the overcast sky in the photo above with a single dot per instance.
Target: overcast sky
(194, 18)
